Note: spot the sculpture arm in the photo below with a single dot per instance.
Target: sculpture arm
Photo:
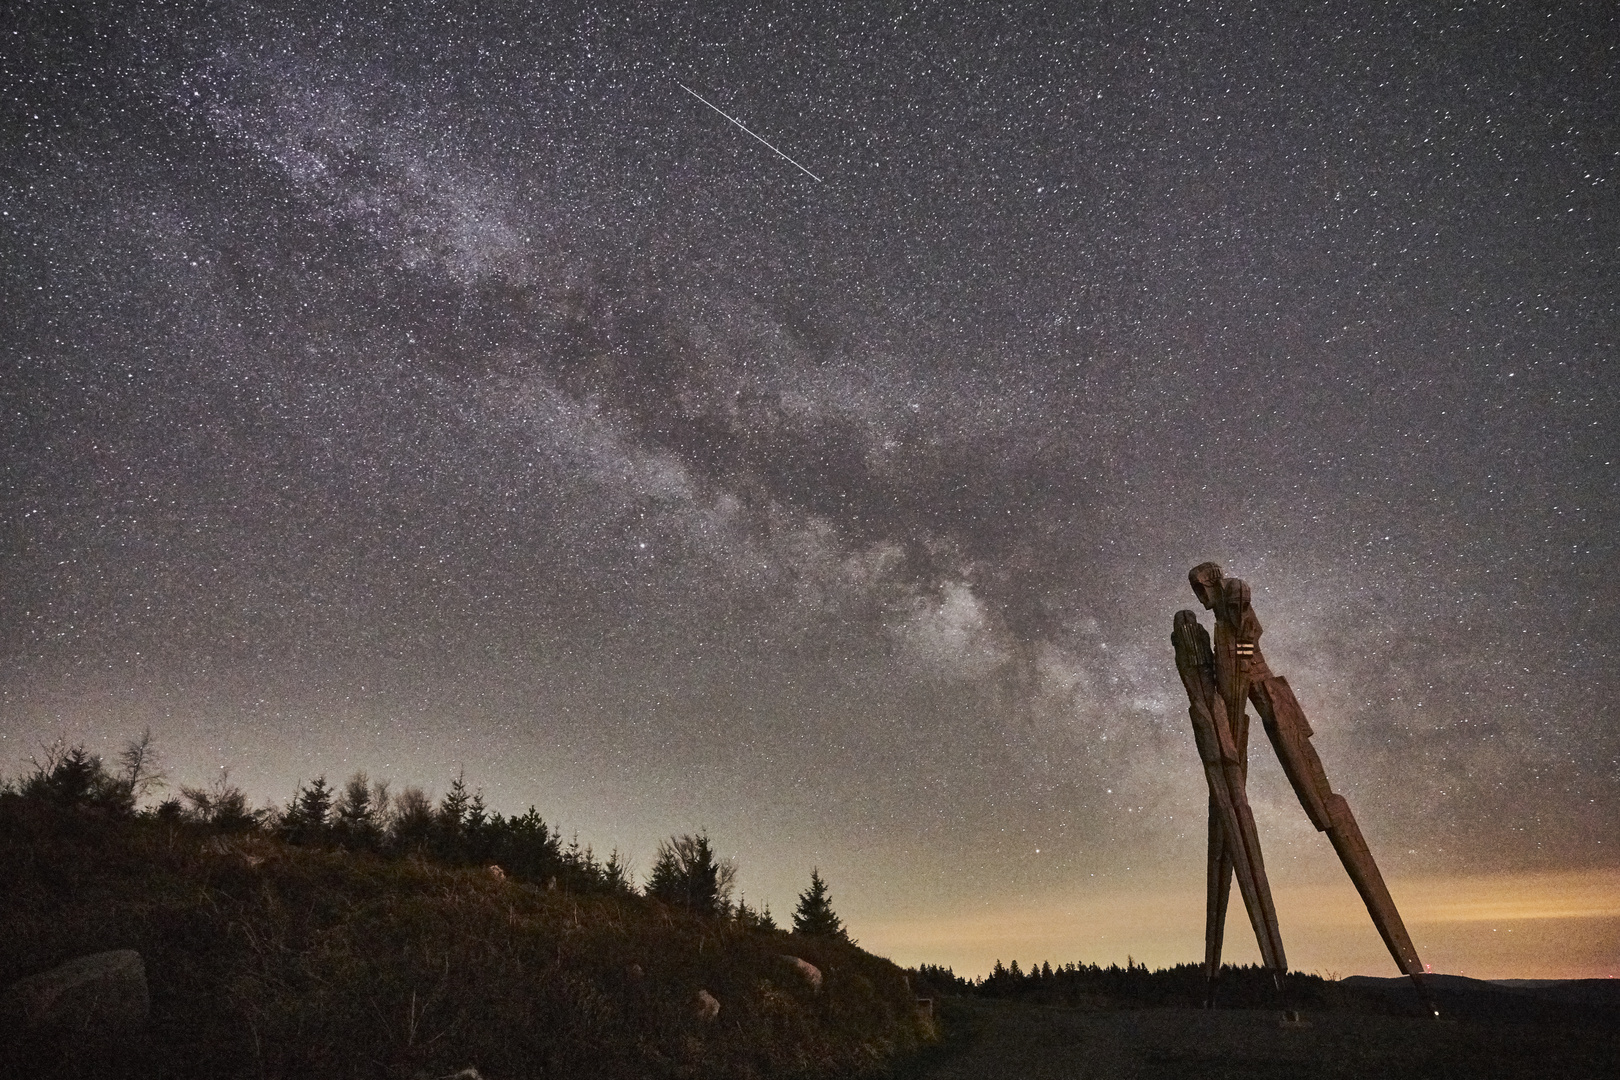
(1290, 736)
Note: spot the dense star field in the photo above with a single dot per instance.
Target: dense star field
(437, 386)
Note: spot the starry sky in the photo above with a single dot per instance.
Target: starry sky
(433, 387)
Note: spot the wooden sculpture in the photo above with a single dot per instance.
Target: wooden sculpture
(1220, 680)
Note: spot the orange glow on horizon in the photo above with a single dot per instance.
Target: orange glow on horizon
(1562, 924)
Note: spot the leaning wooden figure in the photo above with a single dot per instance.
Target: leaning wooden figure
(1221, 679)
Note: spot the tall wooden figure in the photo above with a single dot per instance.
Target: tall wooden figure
(1221, 679)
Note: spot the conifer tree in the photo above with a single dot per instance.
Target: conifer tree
(753, 918)
(307, 818)
(814, 915)
(525, 846)
(222, 804)
(477, 818)
(413, 821)
(687, 873)
(449, 822)
(74, 777)
(616, 874)
(477, 830)
(453, 807)
(355, 815)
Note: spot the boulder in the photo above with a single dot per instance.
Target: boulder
(103, 993)
(811, 973)
(708, 1005)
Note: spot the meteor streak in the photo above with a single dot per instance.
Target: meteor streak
(740, 124)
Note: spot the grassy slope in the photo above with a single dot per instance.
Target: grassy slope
(272, 961)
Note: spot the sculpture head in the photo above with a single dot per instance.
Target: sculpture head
(1234, 596)
(1205, 579)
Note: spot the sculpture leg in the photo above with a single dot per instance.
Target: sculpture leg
(1219, 893)
(1219, 884)
(1358, 862)
(1243, 849)
(1257, 896)
(1290, 734)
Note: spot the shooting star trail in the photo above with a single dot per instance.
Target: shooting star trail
(740, 124)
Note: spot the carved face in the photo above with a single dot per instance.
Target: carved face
(1205, 579)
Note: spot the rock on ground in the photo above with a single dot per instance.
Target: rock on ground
(102, 993)
(811, 973)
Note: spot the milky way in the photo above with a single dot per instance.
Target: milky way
(416, 389)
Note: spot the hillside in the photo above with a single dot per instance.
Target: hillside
(271, 960)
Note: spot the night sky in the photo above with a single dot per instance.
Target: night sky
(417, 388)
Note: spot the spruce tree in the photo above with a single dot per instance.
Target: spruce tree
(664, 883)
(74, 777)
(412, 826)
(753, 918)
(222, 805)
(477, 832)
(525, 846)
(687, 873)
(449, 822)
(307, 819)
(453, 807)
(616, 874)
(814, 915)
(355, 813)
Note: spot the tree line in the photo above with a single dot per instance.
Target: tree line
(1131, 986)
(365, 815)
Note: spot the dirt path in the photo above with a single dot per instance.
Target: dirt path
(1004, 1040)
